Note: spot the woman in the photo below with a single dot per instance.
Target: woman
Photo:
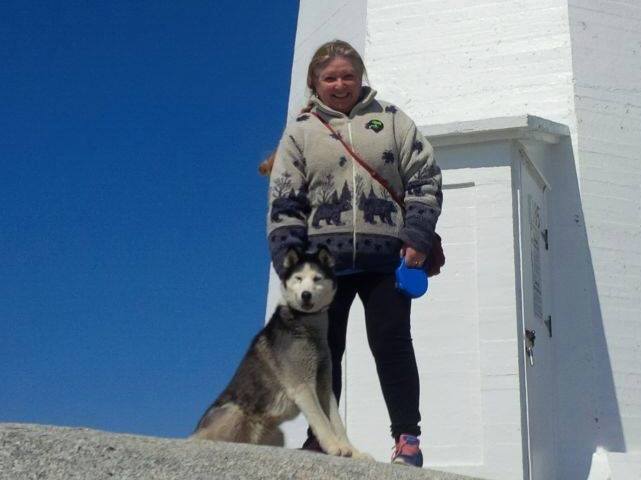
(320, 194)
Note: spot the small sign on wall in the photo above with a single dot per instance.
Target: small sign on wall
(534, 212)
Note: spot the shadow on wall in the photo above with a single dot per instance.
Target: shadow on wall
(588, 412)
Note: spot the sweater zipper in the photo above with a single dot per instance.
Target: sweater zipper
(351, 142)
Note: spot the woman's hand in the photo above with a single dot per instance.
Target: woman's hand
(413, 258)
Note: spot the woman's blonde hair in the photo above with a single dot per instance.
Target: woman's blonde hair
(323, 55)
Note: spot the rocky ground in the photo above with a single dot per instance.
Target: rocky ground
(56, 453)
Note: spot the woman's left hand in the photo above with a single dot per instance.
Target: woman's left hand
(413, 258)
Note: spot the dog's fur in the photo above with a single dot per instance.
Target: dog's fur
(287, 368)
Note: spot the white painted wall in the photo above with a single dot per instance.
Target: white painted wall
(455, 60)
(576, 62)
(606, 57)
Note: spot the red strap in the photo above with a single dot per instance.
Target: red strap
(363, 164)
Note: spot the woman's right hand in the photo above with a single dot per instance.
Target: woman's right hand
(413, 258)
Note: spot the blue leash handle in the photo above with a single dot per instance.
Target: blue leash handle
(412, 282)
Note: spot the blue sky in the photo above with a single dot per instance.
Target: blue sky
(133, 261)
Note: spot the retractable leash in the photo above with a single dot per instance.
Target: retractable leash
(411, 281)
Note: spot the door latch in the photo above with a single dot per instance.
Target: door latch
(544, 234)
(530, 336)
(548, 324)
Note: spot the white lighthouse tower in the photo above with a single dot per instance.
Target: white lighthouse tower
(529, 341)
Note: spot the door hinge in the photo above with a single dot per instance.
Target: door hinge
(544, 234)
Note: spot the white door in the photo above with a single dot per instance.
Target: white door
(538, 323)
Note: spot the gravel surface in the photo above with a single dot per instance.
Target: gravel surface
(41, 452)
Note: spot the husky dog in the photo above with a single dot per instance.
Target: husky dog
(287, 369)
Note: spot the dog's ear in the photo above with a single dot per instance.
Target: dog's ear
(291, 258)
(326, 258)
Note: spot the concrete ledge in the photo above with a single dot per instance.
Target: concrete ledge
(493, 129)
(57, 453)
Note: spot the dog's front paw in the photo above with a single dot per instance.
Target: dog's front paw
(347, 449)
(338, 449)
(332, 449)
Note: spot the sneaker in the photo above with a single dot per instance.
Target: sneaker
(312, 445)
(407, 451)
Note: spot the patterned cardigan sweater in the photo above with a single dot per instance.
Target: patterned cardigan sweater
(320, 195)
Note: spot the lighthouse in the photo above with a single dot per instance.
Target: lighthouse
(529, 341)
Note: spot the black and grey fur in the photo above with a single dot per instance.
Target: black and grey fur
(287, 369)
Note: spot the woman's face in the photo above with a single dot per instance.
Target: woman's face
(338, 85)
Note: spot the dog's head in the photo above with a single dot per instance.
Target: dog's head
(309, 283)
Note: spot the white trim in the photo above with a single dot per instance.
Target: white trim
(536, 172)
(495, 129)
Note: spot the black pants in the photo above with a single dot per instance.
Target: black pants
(387, 319)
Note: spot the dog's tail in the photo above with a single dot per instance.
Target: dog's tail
(228, 423)
(225, 423)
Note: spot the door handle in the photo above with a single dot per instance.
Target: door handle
(530, 337)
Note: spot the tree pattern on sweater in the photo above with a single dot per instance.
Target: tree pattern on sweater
(286, 201)
(423, 183)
